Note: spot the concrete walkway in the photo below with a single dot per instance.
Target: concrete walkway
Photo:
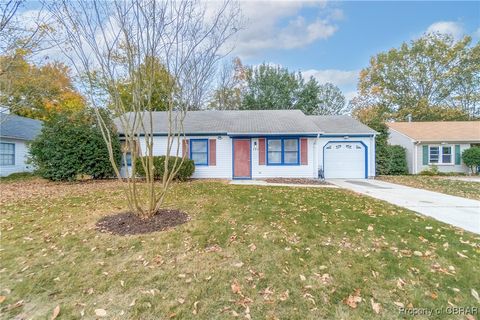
(457, 211)
(267, 184)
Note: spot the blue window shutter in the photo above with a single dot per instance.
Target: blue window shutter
(425, 155)
(457, 154)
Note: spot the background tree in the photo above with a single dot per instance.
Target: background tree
(431, 72)
(18, 38)
(271, 87)
(231, 82)
(112, 39)
(274, 87)
(321, 99)
(152, 73)
(70, 145)
(38, 92)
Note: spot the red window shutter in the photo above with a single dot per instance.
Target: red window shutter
(212, 161)
(303, 151)
(261, 151)
(185, 150)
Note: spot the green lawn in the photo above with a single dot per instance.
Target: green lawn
(441, 184)
(251, 252)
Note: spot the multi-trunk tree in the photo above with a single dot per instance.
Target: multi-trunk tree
(117, 40)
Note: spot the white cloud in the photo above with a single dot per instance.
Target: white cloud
(337, 77)
(280, 25)
(477, 33)
(451, 28)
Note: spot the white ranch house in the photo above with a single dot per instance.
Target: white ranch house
(269, 144)
(15, 134)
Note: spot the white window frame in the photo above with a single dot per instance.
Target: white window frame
(440, 154)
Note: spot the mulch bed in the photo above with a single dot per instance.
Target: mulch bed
(127, 223)
(295, 181)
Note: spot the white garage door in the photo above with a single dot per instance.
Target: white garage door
(344, 160)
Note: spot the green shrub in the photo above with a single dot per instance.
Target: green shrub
(471, 158)
(431, 171)
(391, 160)
(186, 169)
(72, 145)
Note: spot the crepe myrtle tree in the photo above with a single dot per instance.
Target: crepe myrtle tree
(109, 41)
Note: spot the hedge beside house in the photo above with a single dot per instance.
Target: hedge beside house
(471, 158)
(391, 160)
(186, 169)
(70, 146)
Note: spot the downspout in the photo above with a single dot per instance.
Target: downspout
(415, 156)
(317, 158)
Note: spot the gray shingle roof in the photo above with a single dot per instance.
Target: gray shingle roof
(256, 122)
(237, 122)
(340, 124)
(13, 126)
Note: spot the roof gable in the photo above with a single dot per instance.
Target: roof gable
(341, 124)
(13, 126)
(468, 131)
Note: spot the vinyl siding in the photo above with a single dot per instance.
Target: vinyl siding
(223, 167)
(284, 171)
(442, 167)
(21, 156)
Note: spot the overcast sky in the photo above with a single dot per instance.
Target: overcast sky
(334, 40)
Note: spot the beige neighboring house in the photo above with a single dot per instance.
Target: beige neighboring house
(438, 143)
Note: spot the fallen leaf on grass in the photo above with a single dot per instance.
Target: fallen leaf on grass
(353, 299)
(461, 255)
(475, 295)
(302, 277)
(235, 287)
(2, 298)
(100, 312)
(252, 247)
(375, 306)
(195, 307)
(370, 227)
(399, 304)
(55, 313)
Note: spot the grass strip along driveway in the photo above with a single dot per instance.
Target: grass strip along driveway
(465, 189)
(248, 252)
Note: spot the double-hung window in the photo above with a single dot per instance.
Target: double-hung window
(199, 151)
(282, 151)
(440, 155)
(7, 154)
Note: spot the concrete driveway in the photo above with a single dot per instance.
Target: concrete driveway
(457, 211)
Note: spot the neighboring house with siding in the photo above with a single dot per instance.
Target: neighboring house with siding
(260, 144)
(15, 134)
(436, 143)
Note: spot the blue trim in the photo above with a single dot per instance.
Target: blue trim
(276, 135)
(233, 159)
(346, 135)
(190, 151)
(8, 154)
(282, 151)
(350, 141)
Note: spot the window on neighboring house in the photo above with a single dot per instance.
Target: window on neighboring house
(446, 154)
(7, 154)
(282, 151)
(199, 151)
(434, 152)
(440, 155)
